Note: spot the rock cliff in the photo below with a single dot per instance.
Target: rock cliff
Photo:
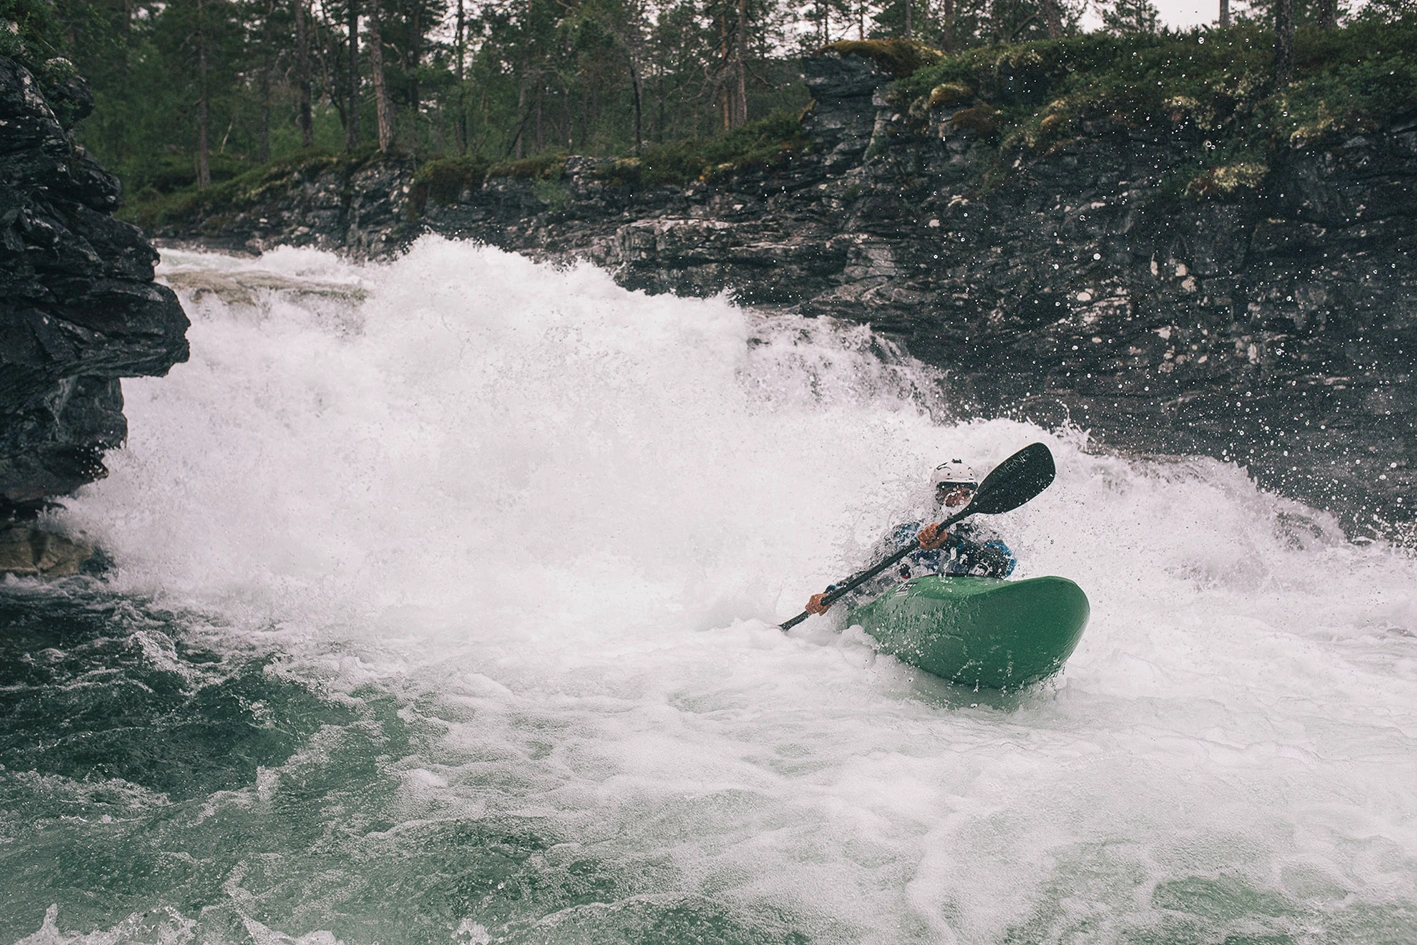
(78, 305)
(1274, 326)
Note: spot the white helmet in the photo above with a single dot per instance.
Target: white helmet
(955, 473)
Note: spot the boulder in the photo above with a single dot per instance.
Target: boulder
(78, 305)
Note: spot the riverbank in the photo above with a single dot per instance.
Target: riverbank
(1153, 271)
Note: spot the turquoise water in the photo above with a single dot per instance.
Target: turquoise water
(443, 612)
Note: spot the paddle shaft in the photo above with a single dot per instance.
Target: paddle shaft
(1012, 483)
(842, 590)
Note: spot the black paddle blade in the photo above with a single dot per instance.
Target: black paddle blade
(1014, 481)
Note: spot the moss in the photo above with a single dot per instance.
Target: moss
(1227, 181)
(551, 191)
(762, 143)
(1210, 91)
(621, 172)
(153, 207)
(442, 181)
(899, 57)
(981, 120)
(1350, 96)
(550, 165)
(1050, 125)
(949, 94)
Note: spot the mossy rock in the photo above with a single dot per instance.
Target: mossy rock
(548, 166)
(949, 94)
(1230, 181)
(621, 172)
(443, 181)
(981, 120)
(761, 143)
(899, 57)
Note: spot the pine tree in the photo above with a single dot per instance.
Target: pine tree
(1131, 16)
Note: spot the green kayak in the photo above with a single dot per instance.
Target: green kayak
(978, 631)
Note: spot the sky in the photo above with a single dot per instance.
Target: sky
(1179, 14)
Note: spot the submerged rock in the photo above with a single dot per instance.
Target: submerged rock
(31, 551)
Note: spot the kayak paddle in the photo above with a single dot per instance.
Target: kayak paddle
(1012, 483)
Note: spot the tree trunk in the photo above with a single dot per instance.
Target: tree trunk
(740, 66)
(566, 114)
(540, 105)
(726, 75)
(325, 51)
(415, 55)
(351, 127)
(1224, 13)
(302, 77)
(1328, 14)
(635, 85)
(907, 19)
(1053, 17)
(376, 69)
(459, 38)
(521, 111)
(663, 93)
(584, 118)
(949, 25)
(204, 167)
(1283, 43)
(264, 148)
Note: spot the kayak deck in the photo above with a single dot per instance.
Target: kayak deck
(978, 631)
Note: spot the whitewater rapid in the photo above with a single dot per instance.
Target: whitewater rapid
(546, 527)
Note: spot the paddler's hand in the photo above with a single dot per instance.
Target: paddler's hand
(815, 605)
(932, 536)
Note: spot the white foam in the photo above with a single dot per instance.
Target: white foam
(569, 515)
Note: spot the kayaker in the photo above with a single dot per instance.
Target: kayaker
(964, 549)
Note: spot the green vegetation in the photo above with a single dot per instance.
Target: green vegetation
(757, 144)
(443, 180)
(546, 166)
(28, 32)
(152, 207)
(203, 103)
(1211, 88)
(195, 93)
(173, 196)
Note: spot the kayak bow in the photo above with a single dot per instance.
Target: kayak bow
(978, 631)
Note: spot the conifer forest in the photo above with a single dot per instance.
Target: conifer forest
(194, 91)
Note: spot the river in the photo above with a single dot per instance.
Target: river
(443, 607)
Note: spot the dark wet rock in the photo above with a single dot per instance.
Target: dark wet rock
(78, 305)
(1274, 326)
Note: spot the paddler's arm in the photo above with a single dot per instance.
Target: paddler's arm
(985, 559)
(898, 539)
